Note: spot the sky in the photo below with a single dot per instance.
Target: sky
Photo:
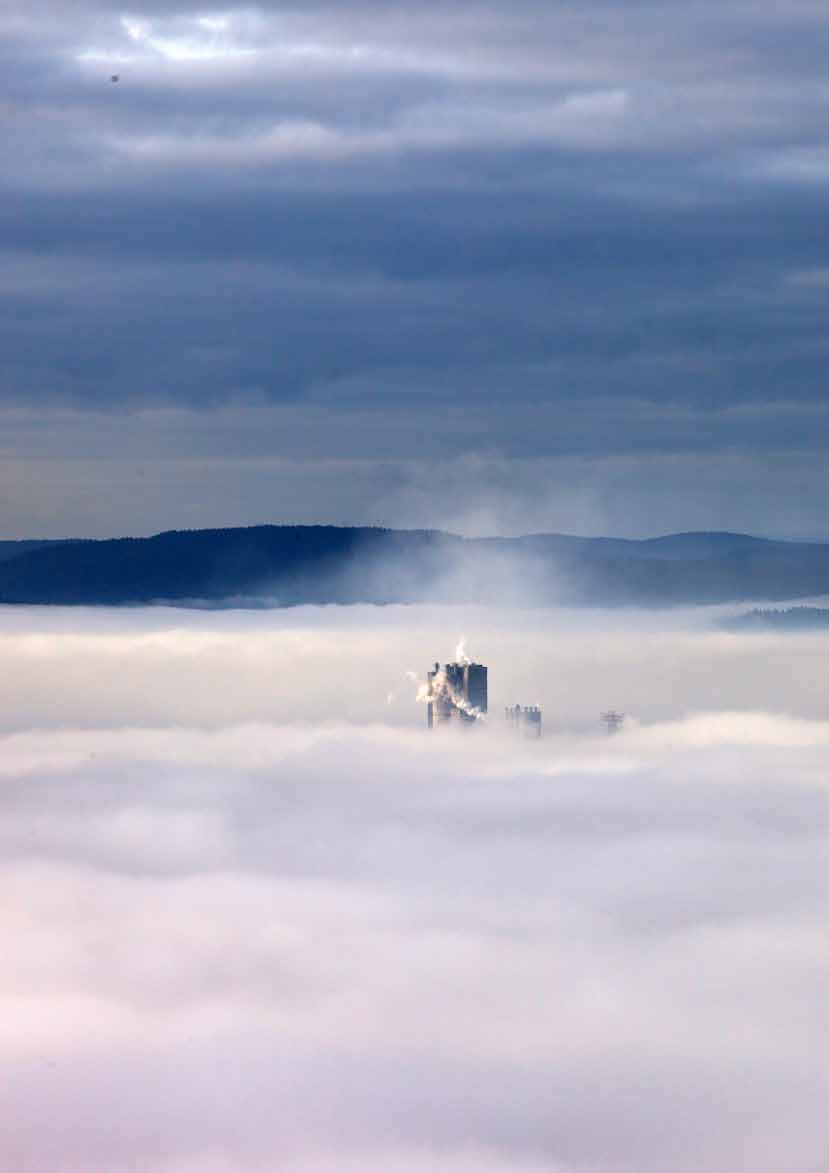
(280, 928)
(495, 267)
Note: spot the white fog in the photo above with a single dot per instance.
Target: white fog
(259, 919)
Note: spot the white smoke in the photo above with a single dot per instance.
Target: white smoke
(440, 688)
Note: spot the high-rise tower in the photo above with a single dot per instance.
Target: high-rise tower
(457, 693)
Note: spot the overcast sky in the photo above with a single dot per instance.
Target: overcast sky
(300, 258)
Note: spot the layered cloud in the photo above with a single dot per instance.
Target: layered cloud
(532, 233)
(257, 933)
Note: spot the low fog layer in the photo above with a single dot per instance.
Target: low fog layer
(258, 919)
(171, 667)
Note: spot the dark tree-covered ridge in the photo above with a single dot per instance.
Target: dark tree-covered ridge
(291, 565)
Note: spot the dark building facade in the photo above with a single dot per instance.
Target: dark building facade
(457, 693)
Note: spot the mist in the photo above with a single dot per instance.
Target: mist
(259, 919)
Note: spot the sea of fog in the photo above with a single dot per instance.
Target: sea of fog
(256, 919)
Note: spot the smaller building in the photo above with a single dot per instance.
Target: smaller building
(526, 721)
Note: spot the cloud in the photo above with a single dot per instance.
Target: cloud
(573, 228)
(254, 928)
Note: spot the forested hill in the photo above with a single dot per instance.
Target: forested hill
(774, 619)
(290, 565)
(10, 550)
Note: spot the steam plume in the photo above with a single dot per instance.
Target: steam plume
(440, 687)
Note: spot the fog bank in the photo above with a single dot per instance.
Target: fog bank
(257, 919)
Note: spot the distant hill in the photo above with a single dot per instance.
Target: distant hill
(779, 619)
(12, 549)
(673, 547)
(290, 565)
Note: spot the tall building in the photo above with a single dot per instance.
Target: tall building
(526, 721)
(457, 693)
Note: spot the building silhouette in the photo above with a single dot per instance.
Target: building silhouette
(526, 722)
(457, 694)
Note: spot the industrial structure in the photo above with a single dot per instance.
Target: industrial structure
(456, 693)
(525, 722)
(613, 721)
